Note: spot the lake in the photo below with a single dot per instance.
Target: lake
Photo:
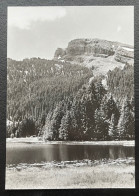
(36, 153)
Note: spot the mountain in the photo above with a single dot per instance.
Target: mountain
(86, 92)
(100, 55)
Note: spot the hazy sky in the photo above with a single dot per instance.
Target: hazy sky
(39, 31)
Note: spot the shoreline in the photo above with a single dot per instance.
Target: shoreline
(35, 140)
(71, 164)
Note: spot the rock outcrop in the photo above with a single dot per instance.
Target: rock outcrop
(59, 52)
(88, 46)
(125, 55)
(79, 48)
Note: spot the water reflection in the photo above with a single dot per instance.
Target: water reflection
(32, 153)
(121, 152)
(63, 153)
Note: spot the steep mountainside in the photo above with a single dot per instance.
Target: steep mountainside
(100, 55)
(35, 85)
(85, 93)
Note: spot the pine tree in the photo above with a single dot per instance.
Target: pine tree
(27, 127)
(110, 107)
(56, 119)
(89, 122)
(101, 126)
(65, 127)
(100, 91)
(113, 133)
(47, 130)
(126, 121)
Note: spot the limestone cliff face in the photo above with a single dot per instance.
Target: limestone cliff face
(79, 48)
(124, 55)
(87, 46)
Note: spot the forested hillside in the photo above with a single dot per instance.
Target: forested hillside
(93, 114)
(60, 100)
(35, 86)
(121, 82)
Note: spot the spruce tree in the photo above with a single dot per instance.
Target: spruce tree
(65, 127)
(56, 120)
(101, 126)
(126, 121)
(113, 133)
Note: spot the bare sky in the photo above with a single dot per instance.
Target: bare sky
(39, 31)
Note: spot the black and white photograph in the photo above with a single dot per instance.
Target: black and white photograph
(70, 97)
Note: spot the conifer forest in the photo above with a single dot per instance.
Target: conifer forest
(65, 101)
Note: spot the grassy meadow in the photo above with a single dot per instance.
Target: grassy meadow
(99, 176)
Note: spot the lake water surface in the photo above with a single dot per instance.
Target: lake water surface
(36, 153)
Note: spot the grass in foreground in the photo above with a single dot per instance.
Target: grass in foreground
(100, 176)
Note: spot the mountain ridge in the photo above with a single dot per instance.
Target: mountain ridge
(91, 46)
(69, 97)
(100, 55)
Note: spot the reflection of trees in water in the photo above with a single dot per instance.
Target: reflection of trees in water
(25, 154)
(95, 152)
(63, 152)
(76, 152)
(99, 152)
(48, 153)
(86, 152)
(121, 153)
(132, 151)
(116, 152)
(54, 152)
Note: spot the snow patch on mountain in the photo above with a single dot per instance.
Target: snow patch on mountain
(63, 61)
(59, 66)
(128, 49)
(26, 72)
(59, 57)
(104, 83)
(90, 80)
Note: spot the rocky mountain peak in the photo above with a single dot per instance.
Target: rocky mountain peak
(95, 47)
(96, 53)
